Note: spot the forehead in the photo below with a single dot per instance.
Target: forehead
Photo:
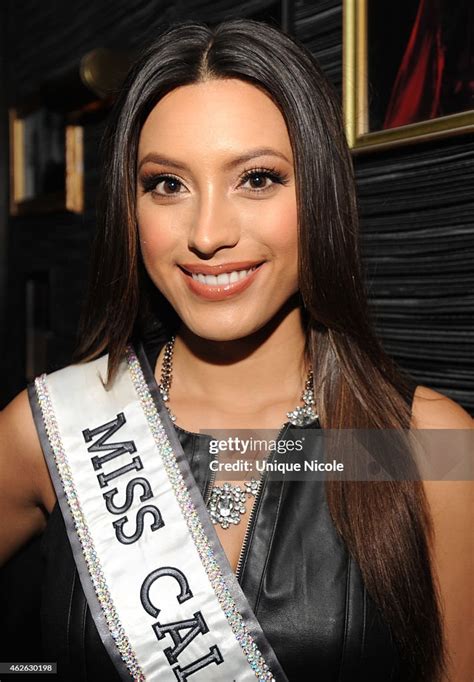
(224, 115)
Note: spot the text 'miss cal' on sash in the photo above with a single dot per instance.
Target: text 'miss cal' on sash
(162, 593)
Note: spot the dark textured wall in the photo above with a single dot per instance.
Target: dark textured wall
(418, 238)
(416, 203)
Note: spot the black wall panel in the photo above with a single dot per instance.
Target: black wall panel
(418, 239)
(415, 202)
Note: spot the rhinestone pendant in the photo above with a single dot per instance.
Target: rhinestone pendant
(302, 416)
(227, 503)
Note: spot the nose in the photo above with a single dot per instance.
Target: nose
(214, 226)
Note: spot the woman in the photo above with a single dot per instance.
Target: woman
(228, 255)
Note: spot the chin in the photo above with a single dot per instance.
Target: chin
(221, 334)
(223, 330)
(242, 321)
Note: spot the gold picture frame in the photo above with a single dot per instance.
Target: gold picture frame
(356, 87)
(29, 192)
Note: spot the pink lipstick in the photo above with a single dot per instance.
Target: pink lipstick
(218, 282)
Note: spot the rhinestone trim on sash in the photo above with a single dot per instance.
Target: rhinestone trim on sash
(206, 554)
(92, 560)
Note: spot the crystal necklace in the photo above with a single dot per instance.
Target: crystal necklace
(227, 503)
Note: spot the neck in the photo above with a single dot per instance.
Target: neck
(266, 365)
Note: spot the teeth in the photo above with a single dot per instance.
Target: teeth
(223, 279)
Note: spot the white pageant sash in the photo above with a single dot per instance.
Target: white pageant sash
(159, 586)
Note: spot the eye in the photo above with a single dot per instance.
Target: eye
(262, 179)
(162, 185)
(256, 180)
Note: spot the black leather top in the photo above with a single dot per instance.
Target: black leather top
(301, 583)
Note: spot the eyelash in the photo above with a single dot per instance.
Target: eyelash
(149, 182)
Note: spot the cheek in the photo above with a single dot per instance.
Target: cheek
(281, 230)
(157, 236)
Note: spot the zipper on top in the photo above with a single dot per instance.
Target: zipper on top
(253, 511)
(210, 483)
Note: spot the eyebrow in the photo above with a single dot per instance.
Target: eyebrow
(229, 165)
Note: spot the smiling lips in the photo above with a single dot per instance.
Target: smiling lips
(217, 282)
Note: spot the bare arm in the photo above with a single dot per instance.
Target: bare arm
(452, 509)
(26, 491)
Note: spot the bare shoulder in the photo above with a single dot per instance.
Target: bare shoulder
(18, 437)
(433, 410)
(26, 492)
(451, 504)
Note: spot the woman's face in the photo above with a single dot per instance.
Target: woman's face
(216, 207)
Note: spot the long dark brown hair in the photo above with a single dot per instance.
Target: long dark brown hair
(385, 525)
